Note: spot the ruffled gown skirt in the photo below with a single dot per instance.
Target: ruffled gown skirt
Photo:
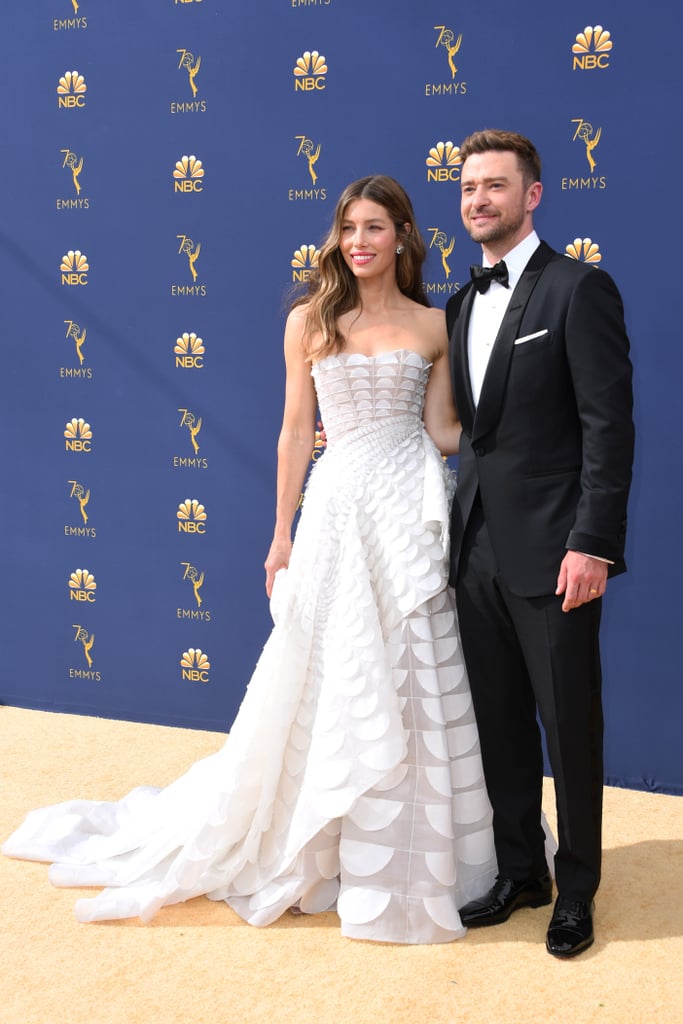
(351, 777)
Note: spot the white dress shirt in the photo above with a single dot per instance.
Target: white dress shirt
(489, 309)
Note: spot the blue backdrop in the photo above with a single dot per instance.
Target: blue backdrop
(174, 165)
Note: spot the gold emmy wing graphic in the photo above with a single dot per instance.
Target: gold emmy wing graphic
(75, 165)
(308, 149)
(86, 640)
(194, 426)
(452, 45)
(590, 140)
(196, 579)
(192, 66)
(440, 241)
(82, 496)
(190, 250)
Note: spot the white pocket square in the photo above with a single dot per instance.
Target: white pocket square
(530, 337)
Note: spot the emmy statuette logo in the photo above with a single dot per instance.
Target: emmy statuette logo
(74, 165)
(77, 334)
(444, 245)
(588, 138)
(190, 250)
(81, 495)
(447, 39)
(195, 578)
(194, 425)
(188, 63)
(87, 639)
(310, 152)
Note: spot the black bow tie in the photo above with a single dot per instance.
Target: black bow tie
(482, 276)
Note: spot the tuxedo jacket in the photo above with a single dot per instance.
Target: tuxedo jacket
(549, 447)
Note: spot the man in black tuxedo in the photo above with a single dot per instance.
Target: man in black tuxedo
(542, 382)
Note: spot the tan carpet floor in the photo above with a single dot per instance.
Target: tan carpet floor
(198, 962)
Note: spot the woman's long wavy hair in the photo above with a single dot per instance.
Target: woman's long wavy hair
(333, 289)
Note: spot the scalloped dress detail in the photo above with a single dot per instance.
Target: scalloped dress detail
(351, 777)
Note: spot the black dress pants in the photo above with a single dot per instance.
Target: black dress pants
(525, 655)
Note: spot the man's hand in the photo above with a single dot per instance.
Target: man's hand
(581, 579)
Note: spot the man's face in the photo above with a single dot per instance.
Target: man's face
(496, 205)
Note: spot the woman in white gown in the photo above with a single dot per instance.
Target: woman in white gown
(351, 776)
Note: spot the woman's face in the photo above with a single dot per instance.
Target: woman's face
(368, 240)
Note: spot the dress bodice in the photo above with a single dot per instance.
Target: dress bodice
(356, 390)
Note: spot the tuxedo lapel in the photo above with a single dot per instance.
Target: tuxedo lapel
(495, 379)
(462, 384)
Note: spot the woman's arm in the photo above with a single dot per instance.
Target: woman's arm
(295, 444)
(440, 415)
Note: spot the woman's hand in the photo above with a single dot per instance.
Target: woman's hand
(278, 558)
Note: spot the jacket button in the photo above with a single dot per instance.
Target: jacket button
(480, 450)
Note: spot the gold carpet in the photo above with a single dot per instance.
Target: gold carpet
(198, 962)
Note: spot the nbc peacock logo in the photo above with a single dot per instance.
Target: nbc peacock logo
(309, 72)
(78, 435)
(191, 516)
(195, 665)
(189, 351)
(585, 250)
(188, 175)
(74, 268)
(591, 49)
(444, 162)
(304, 260)
(82, 586)
(71, 90)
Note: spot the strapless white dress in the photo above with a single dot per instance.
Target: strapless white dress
(351, 777)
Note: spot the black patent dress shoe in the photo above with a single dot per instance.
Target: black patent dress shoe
(571, 928)
(507, 895)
